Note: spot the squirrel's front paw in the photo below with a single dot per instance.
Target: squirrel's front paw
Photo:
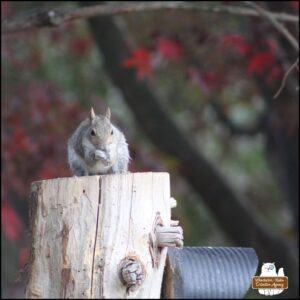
(103, 156)
(100, 155)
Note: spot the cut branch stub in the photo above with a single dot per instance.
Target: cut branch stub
(164, 236)
(132, 273)
(169, 236)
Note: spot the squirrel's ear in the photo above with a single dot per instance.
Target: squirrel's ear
(108, 113)
(92, 115)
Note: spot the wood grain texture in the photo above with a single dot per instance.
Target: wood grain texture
(83, 227)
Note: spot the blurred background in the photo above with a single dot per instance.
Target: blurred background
(193, 92)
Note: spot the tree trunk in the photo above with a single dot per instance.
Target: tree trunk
(88, 233)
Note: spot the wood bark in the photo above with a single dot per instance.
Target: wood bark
(84, 227)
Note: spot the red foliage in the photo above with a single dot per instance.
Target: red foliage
(260, 56)
(237, 43)
(35, 136)
(141, 61)
(275, 73)
(12, 225)
(80, 46)
(260, 62)
(295, 5)
(213, 80)
(5, 9)
(207, 81)
(21, 141)
(50, 169)
(170, 50)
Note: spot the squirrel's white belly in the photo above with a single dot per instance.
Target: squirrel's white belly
(98, 167)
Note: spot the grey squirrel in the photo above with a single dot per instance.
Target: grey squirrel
(98, 147)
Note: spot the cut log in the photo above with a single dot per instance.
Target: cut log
(86, 229)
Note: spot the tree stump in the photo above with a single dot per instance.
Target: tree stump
(94, 236)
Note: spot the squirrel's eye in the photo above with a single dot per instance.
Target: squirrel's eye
(112, 132)
(93, 133)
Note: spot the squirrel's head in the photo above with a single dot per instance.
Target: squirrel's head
(100, 130)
